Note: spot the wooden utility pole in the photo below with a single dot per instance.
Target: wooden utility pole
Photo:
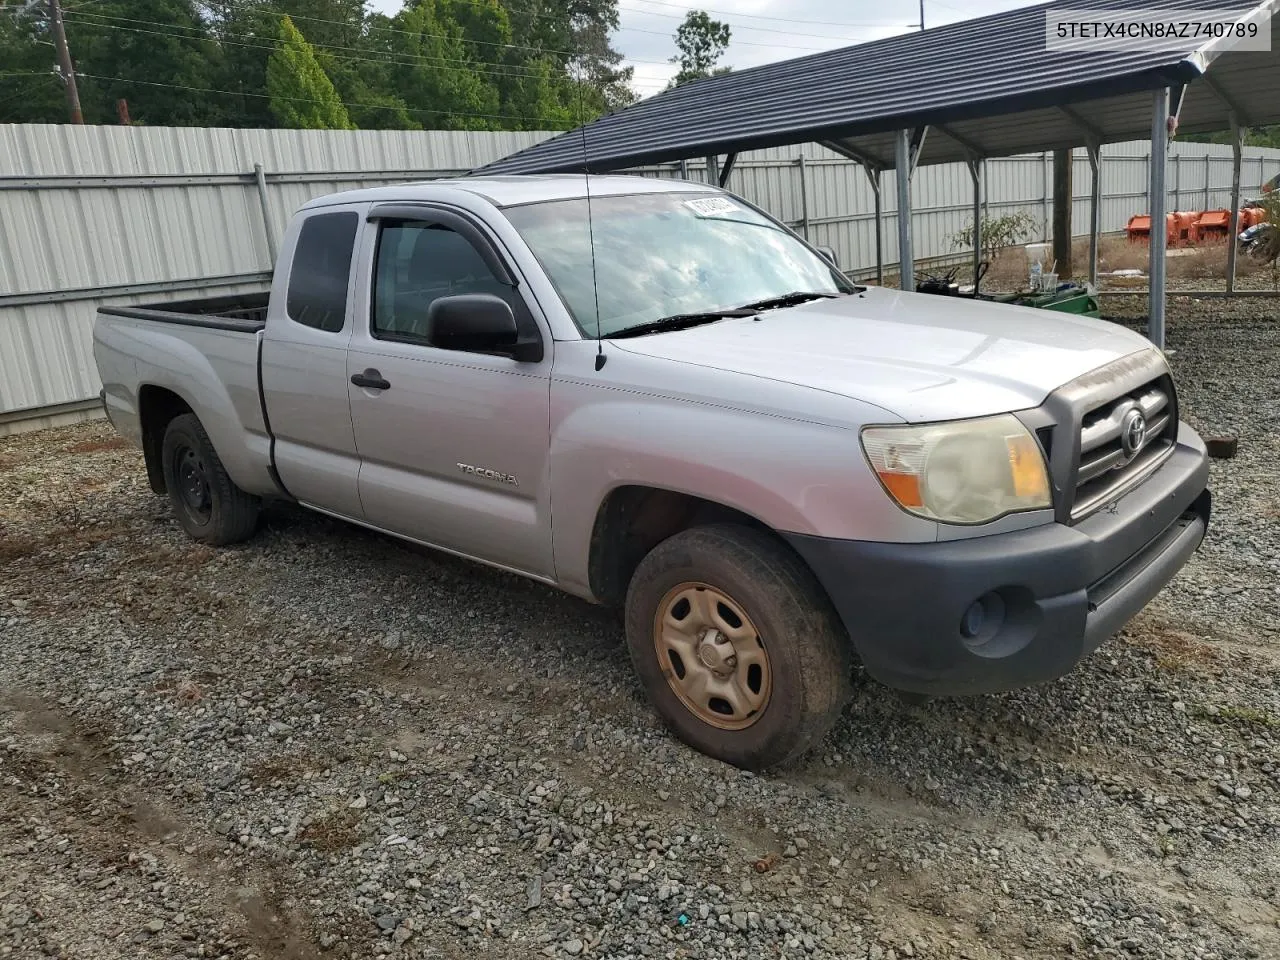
(1062, 212)
(65, 66)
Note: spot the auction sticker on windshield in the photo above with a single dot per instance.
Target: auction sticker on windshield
(712, 206)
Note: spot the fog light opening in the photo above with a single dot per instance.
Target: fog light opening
(982, 620)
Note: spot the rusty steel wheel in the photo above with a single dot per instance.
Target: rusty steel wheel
(712, 655)
(736, 644)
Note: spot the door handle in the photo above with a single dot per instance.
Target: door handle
(371, 379)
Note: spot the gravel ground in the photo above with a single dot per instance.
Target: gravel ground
(324, 743)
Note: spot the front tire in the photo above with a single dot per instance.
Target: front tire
(208, 504)
(737, 646)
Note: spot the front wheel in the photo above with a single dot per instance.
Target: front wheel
(208, 504)
(737, 646)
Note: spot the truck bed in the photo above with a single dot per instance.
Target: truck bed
(241, 313)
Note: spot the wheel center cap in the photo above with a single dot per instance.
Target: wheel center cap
(715, 653)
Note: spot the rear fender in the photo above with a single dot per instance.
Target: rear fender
(215, 372)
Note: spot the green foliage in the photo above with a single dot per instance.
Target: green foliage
(29, 90)
(450, 64)
(302, 95)
(997, 233)
(158, 65)
(1253, 137)
(700, 41)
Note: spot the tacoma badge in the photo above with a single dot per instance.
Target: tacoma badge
(488, 474)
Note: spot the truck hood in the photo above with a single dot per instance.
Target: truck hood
(918, 356)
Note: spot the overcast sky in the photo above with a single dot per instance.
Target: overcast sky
(764, 31)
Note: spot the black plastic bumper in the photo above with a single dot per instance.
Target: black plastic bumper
(1050, 595)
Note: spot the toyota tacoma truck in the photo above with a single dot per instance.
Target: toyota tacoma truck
(653, 395)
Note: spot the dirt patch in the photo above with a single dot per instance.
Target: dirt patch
(333, 831)
(98, 446)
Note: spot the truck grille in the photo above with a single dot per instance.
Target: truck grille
(1121, 441)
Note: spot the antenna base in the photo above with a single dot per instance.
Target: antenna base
(600, 359)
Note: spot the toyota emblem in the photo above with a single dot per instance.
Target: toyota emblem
(1133, 433)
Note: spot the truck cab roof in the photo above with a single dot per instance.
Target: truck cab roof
(509, 191)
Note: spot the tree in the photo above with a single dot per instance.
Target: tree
(30, 90)
(701, 41)
(434, 71)
(302, 96)
(1253, 137)
(571, 40)
(448, 64)
(157, 54)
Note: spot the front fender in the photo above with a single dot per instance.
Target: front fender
(794, 476)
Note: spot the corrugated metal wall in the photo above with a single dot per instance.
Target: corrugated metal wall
(123, 214)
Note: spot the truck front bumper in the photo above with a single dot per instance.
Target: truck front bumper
(1003, 611)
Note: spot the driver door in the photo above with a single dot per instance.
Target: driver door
(453, 444)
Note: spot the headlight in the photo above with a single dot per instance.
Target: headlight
(965, 471)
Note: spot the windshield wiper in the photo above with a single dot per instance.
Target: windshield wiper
(681, 321)
(789, 300)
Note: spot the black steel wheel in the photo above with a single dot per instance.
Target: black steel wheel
(208, 504)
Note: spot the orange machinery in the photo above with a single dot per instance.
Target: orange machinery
(1188, 228)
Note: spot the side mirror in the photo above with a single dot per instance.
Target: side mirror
(830, 254)
(478, 322)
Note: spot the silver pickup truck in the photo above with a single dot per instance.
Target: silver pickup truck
(658, 397)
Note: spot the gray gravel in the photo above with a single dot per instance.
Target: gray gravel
(324, 743)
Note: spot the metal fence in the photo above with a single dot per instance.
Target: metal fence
(122, 214)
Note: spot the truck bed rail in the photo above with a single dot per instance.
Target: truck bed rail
(243, 313)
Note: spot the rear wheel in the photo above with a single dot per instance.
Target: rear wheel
(737, 646)
(208, 504)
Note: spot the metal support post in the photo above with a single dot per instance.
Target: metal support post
(727, 170)
(975, 166)
(713, 169)
(1044, 196)
(873, 174)
(906, 262)
(261, 178)
(1233, 231)
(1063, 195)
(804, 199)
(1095, 212)
(1159, 231)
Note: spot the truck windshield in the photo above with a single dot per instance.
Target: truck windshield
(663, 254)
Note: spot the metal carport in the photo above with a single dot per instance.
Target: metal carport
(963, 92)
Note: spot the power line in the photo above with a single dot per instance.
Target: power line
(742, 26)
(26, 85)
(748, 43)
(500, 70)
(408, 33)
(759, 16)
(267, 96)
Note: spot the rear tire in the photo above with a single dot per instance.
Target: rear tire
(208, 504)
(737, 645)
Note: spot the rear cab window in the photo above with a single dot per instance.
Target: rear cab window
(321, 271)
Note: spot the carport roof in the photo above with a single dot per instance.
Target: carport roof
(984, 87)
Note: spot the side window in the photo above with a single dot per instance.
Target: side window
(320, 271)
(418, 263)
